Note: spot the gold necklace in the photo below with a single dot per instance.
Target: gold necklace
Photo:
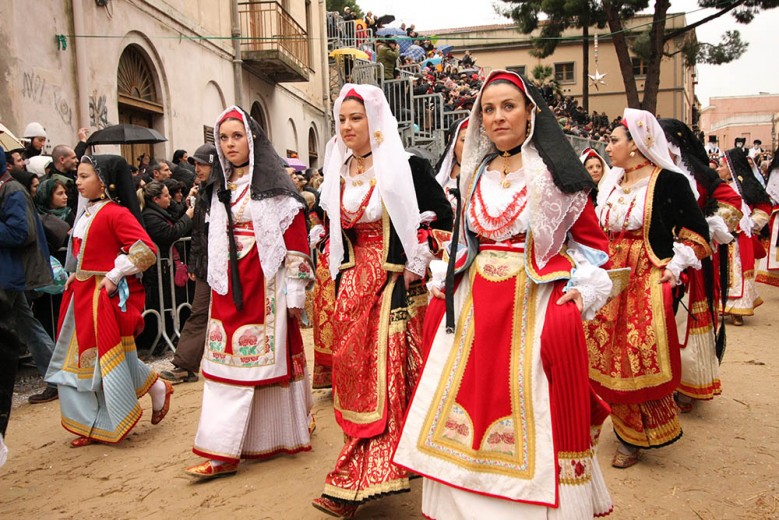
(232, 185)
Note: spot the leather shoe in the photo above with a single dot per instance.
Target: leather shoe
(159, 415)
(333, 508)
(207, 470)
(49, 394)
(622, 460)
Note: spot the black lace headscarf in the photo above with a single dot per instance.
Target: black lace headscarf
(695, 159)
(749, 187)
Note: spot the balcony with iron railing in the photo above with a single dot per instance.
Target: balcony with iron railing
(273, 44)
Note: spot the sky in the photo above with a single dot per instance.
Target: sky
(750, 74)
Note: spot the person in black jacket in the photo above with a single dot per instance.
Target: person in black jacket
(164, 231)
(189, 351)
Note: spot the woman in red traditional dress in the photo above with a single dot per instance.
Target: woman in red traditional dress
(743, 297)
(95, 364)
(503, 423)
(702, 346)
(324, 306)
(648, 207)
(256, 397)
(377, 198)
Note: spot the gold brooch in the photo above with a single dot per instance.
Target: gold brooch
(378, 137)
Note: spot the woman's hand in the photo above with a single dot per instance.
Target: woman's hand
(409, 278)
(192, 276)
(70, 280)
(438, 293)
(668, 276)
(296, 313)
(573, 295)
(108, 285)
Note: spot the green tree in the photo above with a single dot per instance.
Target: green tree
(649, 44)
(560, 15)
(338, 5)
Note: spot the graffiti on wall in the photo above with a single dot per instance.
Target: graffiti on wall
(98, 112)
(38, 89)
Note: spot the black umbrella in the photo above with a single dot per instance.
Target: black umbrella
(384, 20)
(125, 134)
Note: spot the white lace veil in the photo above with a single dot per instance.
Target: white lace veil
(394, 181)
(552, 211)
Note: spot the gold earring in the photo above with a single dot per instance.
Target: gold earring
(633, 153)
(527, 129)
(102, 196)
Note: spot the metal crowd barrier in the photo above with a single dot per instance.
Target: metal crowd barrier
(367, 73)
(454, 115)
(174, 309)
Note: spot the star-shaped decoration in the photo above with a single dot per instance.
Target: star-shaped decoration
(597, 79)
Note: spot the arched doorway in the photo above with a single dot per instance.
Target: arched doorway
(313, 149)
(138, 96)
(258, 114)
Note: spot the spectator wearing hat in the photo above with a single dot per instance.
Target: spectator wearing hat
(388, 57)
(189, 351)
(37, 137)
(757, 149)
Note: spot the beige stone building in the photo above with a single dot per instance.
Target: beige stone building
(749, 117)
(501, 46)
(166, 64)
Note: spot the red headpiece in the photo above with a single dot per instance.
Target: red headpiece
(234, 114)
(508, 76)
(465, 124)
(624, 123)
(591, 153)
(353, 94)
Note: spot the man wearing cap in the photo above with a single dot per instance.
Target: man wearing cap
(36, 134)
(189, 351)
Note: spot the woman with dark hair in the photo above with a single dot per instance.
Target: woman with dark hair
(95, 363)
(378, 200)
(649, 208)
(256, 397)
(501, 421)
(161, 227)
(448, 167)
(597, 167)
(697, 314)
(768, 270)
(178, 156)
(51, 198)
(743, 298)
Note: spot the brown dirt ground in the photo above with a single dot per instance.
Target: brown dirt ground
(725, 467)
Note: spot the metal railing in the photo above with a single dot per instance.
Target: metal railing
(266, 25)
(367, 73)
(454, 115)
(169, 304)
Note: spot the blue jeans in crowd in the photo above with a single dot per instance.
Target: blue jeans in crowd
(32, 334)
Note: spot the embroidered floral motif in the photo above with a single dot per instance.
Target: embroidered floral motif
(88, 358)
(575, 468)
(141, 256)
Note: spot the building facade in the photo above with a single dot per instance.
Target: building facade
(502, 46)
(748, 117)
(168, 65)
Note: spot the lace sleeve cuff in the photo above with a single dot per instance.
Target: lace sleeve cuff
(594, 284)
(296, 293)
(422, 258)
(718, 230)
(299, 267)
(684, 257)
